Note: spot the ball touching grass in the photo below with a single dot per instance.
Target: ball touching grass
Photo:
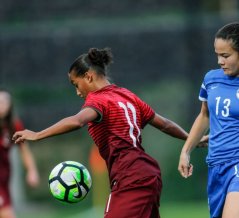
(70, 182)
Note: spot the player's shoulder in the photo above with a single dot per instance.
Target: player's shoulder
(111, 93)
(214, 75)
(117, 87)
(121, 91)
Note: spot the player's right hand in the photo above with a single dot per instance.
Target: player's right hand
(184, 166)
(26, 134)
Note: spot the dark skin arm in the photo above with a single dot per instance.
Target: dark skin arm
(65, 125)
(169, 127)
(79, 120)
(173, 129)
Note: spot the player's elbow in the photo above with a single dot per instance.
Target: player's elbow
(78, 123)
(74, 123)
(167, 126)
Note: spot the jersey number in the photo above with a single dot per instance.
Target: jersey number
(226, 105)
(132, 123)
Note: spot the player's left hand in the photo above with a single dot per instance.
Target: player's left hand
(26, 134)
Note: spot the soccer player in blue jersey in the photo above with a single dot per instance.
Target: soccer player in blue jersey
(220, 113)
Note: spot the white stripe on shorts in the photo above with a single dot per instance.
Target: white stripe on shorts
(108, 204)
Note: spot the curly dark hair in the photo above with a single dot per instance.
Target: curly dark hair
(96, 59)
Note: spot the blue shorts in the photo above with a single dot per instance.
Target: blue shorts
(222, 179)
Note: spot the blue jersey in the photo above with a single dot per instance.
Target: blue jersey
(222, 95)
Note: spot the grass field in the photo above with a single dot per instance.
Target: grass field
(168, 210)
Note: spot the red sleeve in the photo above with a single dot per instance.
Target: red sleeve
(97, 103)
(147, 113)
(18, 125)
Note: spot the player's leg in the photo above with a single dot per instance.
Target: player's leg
(231, 206)
(223, 186)
(216, 190)
(7, 212)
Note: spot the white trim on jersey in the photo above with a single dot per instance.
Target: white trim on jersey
(203, 86)
(202, 99)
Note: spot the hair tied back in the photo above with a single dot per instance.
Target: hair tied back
(100, 57)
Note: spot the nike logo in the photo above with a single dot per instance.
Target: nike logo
(213, 87)
(79, 194)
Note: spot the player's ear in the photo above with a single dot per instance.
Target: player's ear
(89, 76)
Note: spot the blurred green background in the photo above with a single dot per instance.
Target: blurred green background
(162, 49)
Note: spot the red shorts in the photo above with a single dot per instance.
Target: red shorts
(5, 199)
(137, 200)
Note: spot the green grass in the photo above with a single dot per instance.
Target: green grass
(184, 210)
(167, 210)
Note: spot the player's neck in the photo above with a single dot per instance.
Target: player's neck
(101, 84)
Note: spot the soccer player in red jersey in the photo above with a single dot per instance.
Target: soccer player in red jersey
(115, 117)
(9, 124)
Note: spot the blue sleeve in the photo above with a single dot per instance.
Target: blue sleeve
(203, 92)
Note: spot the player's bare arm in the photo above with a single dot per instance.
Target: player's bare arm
(65, 125)
(169, 127)
(198, 129)
(32, 176)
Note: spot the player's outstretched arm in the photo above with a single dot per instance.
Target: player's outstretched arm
(197, 131)
(63, 126)
(169, 127)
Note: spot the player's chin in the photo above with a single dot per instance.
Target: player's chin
(229, 72)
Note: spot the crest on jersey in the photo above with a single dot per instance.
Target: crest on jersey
(237, 94)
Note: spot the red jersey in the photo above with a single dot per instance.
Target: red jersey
(5, 144)
(117, 132)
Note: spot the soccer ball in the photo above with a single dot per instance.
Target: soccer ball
(70, 182)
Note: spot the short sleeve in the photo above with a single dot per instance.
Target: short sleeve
(147, 113)
(203, 92)
(97, 104)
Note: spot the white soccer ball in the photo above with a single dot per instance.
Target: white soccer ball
(70, 182)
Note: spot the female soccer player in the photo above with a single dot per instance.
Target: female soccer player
(115, 118)
(220, 111)
(8, 125)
